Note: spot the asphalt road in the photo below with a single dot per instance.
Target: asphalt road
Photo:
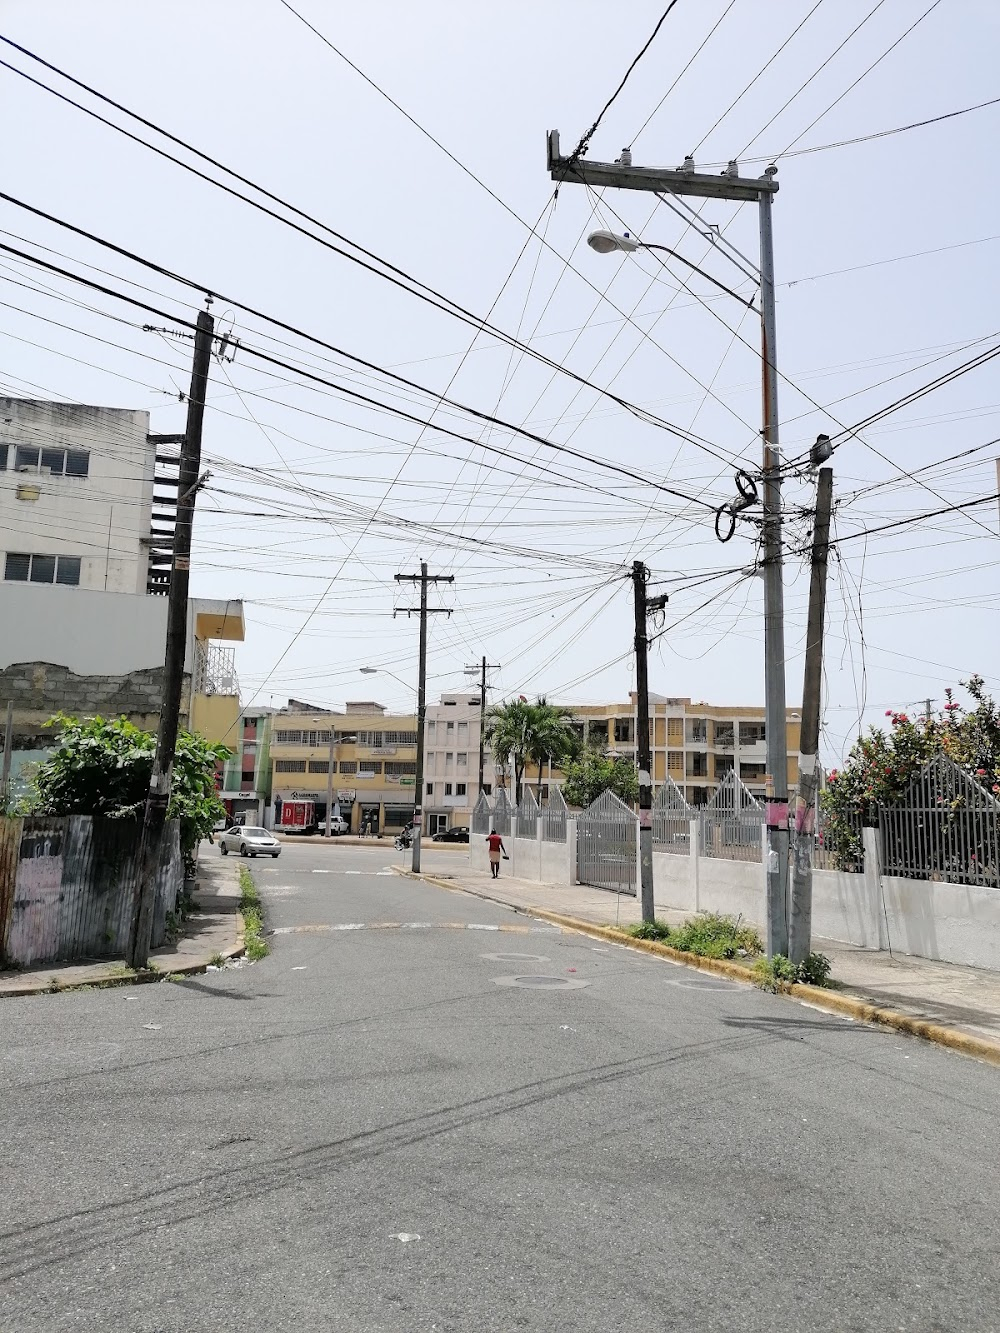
(382, 1128)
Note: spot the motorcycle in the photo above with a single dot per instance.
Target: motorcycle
(403, 842)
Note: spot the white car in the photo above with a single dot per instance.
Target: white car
(249, 841)
(338, 827)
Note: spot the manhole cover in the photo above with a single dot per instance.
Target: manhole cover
(514, 957)
(542, 983)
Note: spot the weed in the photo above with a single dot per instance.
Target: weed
(120, 970)
(715, 936)
(253, 917)
(174, 976)
(815, 971)
(217, 960)
(650, 930)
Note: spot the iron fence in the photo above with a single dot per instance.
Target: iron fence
(672, 820)
(481, 815)
(501, 813)
(731, 823)
(527, 815)
(554, 817)
(946, 827)
(839, 844)
(606, 842)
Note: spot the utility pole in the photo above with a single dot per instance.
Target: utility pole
(8, 745)
(483, 667)
(643, 606)
(329, 782)
(760, 190)
(423, 578)
(800, 918)
(158, 797)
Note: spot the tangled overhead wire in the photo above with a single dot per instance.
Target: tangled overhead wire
(748, 496)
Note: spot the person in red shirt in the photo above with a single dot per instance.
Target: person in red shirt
(496, 848)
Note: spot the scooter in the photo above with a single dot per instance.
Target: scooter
(403, 842)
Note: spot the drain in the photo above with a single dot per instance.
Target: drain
(532, 982)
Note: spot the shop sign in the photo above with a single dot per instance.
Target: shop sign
(345, 794)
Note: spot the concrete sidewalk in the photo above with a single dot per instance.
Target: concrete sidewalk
(966, 999)
(215, 928)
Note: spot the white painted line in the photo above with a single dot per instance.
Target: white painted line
(474, 926)
(322, 872)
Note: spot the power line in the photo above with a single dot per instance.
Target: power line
(711, 33)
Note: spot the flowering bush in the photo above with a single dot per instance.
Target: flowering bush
(882, 764)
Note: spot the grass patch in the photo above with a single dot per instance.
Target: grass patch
(773, 974)
(710, 935)
(217, 960)
(253, 917)
(175, 976)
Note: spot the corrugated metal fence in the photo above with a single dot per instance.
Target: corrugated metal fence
(67, 887)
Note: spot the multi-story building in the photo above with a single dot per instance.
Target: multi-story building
(365, 758)
(451, 761)
(87, 511)
(245, 786)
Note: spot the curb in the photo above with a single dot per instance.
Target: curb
(816, 997)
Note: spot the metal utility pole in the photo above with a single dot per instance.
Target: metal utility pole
(423, 578)
(800, 920)
(483, 667)
(158, 797)
(643, 606)
(760, 190)
(329, 782)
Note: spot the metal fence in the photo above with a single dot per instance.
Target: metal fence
(527, 815)
(672, 820)
(839, 844)
(946, 827)
(501, 813)
(606, 841)
(731, 822)
(554, 817)
(482, 815)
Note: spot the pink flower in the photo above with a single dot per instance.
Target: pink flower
(888, 712)
(980, 772)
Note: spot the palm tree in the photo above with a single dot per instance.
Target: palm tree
(518, 732)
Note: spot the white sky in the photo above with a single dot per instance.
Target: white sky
(910, 611)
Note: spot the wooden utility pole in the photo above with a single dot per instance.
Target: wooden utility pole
(483, 667)
(423, 578)
(158, 797)
(800, 921)
(643, 606)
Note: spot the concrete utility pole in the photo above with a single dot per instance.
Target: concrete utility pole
(329, 781)
(158, 797)
(643, 606)
(8, 745)
(800, 921)
(760, 190)
(483, 666)
(423, 578)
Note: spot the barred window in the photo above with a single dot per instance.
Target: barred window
(369, 738)
(348, 765)
(369, 768)
(319, 765)
(401, 737)
(288, 737)
(289, 766)
(399, 768)
(316, 737)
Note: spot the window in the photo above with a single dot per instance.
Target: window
(752, 733)
(447, 789)
(289, 766)
(400, 768)
(401, 737)
(288, 737)
(57, 462)
(725, 733)
(430, 789)
(370, 738)
(3, 457)
(451, 727)
(623, 729)
(319, 765)
(449, 762)
(347, 737)
(461, 761)
(431, 729)
(463, 733)
(460, 788)
(369, 768)
(487, 788)
(348, 765)
(23, 568)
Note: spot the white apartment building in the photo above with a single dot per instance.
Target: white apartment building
(84, 498)
(451, 761)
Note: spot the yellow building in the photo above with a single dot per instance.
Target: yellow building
(214, 699)
(364, 758)
(695, 744)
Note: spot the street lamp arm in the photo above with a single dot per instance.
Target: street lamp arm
(649, 245)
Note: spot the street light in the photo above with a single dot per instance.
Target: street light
(607, 242)
(381, 671)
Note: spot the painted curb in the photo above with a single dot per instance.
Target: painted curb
(835, 1002)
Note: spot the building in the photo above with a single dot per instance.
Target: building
(365, 758)
(451, 761)
(87, 510)
(245, 786)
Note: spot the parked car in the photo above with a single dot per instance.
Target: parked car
(460, 833)
(338, 827)
(249, 841)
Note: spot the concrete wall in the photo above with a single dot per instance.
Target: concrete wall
(101, 517)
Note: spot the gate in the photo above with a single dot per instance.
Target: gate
(672, 818)
(946, 826)
(607, 835)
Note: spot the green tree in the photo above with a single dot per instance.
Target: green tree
(519, 732)
(595, 772)
(881, 764)
(102, 767)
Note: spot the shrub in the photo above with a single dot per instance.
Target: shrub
(815, 971)
(772, 974)
(650, 930)
(715, 936)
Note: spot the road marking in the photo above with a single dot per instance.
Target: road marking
(324, 927)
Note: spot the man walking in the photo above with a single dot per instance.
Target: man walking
(496, 850)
